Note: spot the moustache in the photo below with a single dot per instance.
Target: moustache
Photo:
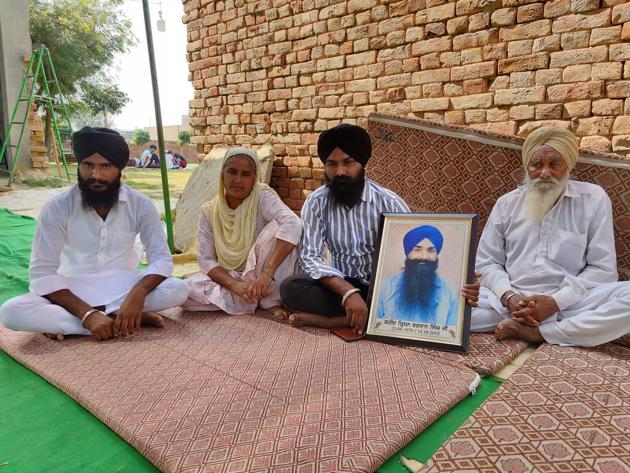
(549, 180)
(96, 181)
(545, 184)
(421, 265)
(342, 180)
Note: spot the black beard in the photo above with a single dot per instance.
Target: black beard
(107, 198)
(345, 190)
(419, 282)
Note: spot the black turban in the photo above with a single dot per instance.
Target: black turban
(108, 143)
(351, 139)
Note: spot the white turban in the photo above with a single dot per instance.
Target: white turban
(563, 141)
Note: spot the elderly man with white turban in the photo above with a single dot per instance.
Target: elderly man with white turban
(547, 255)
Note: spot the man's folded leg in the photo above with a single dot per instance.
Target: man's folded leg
(602, 316)
(486, 316)
(305, 294)
(171, 292)
(314, 304)
(33, 313)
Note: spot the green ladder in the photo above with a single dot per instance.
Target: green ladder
(39, 68)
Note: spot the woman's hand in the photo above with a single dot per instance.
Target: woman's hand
(244, 290)
(238, 287)
(261, 285)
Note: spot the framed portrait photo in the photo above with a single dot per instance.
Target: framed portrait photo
(422, 262)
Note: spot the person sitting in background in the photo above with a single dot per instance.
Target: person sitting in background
(181, 160)
(154, 159)
(246, 242)
(171, 161)
(83, 272)
(146, 155)
(547, 255)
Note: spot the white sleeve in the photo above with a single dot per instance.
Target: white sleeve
(289, 224)
(313, 240)
(48, 243)
(491, 257)
(206, 253)
(154, 240)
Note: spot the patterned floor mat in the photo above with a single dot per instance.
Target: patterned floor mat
(566, 410)
(486, 355)
(216, 393)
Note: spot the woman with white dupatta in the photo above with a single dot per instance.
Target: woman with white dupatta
(246, 243)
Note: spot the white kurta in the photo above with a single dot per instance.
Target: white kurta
(568, 255)
(96, 259)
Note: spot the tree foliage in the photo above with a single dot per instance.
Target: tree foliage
(65, 133)
(141, 137)
(104, 99)
(183, 138)
(83, 37)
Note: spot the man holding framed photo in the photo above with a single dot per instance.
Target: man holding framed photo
(547, 255)
(342, 216)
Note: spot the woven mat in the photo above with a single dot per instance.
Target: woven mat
(486, 355)
(566, 410)
(218, 393)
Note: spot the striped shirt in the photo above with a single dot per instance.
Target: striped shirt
(350, 234)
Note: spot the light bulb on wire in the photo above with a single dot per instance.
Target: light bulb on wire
(161, 24)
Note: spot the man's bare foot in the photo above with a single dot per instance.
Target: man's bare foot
(279, 312)
(303, 318)
(508, 328)
(55, 336)
(152, 319)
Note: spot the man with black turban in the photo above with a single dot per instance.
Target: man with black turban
(83, 272)
(547, 255)
(342, 216)
(418, 293)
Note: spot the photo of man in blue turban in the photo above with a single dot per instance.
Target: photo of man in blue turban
(418, 294)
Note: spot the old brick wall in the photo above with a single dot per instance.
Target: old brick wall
(39, 155)
(282, 71)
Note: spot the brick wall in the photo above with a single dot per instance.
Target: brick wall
(39, 155)
(282, 71)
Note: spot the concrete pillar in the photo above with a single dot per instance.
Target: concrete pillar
(15, 44)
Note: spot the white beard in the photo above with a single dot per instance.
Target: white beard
(541, 195)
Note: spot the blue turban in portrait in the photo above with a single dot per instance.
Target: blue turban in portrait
(415, 236)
